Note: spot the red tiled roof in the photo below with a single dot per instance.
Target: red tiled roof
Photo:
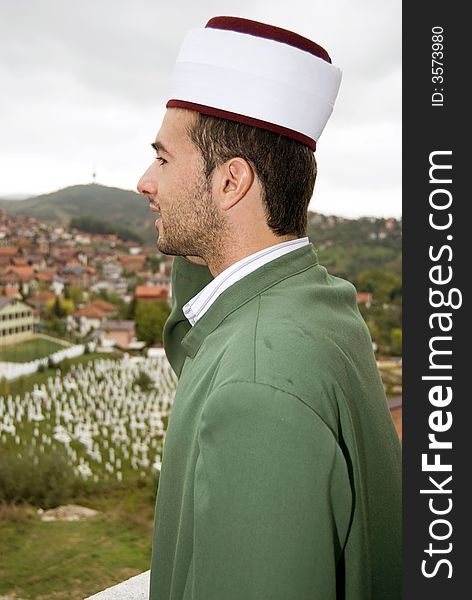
(132, 258)
(8, 277)
(45, 275)
(148, 291)
(102, 305)
(8, 251)
(97, 309)
(72, 262)
(11, 292)
(24, 273)
(40, 299)
(364, 296)
(19, 262)
(90, 312)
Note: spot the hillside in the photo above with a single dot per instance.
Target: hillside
(123, 208)
(345, 246)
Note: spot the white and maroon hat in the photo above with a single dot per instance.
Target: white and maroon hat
(256, 74)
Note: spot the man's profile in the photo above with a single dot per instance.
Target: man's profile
(281, 466)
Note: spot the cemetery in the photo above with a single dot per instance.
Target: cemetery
(108, 416)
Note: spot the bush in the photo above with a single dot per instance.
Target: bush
(48, 483)
(4, 387)
(143, 381)
(150, 319)
(396, 341)
(65, 365)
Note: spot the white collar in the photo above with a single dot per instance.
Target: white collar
(199, 304)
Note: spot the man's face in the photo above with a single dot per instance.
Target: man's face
(176, 188)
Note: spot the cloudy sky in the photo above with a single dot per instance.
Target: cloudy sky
(84, 85)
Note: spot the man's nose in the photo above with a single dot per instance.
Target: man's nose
(147, 185)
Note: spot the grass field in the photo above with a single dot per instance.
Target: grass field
(29, 350)
(71, 560)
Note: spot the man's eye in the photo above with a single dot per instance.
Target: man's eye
(161, 160)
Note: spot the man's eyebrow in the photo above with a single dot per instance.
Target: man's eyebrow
(159, 147)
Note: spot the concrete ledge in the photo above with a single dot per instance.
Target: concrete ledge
(136, 588)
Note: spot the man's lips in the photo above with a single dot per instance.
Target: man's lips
(157, 209)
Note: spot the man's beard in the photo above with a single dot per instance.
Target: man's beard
(192, 226)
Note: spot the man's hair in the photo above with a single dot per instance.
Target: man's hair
(286, 169)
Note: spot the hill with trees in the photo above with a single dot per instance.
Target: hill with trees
(118, 208)
(345, 246)
(366, 251)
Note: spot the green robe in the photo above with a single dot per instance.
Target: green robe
(281, 465)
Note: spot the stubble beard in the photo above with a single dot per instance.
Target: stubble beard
(193, 227)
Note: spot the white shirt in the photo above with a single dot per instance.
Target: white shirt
(199, 304)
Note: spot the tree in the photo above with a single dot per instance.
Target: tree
(396, 341)
(131, 309)
(154, 263)
(386, 286)
(144, 381)
(54, 326)
(381, 321)
(150, 319)
(373, 330)
(74, 293)
(4, 387)
(59, 308)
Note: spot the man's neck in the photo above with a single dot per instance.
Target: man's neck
(235, 252)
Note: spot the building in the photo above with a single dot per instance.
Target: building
(39, 301)
(16, 321)
(148, 293)
(132, 263)
(121, 333)
(90, 316)
(21, 276)
(365, 298)
(6, 255)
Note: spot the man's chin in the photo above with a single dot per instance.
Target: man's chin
(167, 249)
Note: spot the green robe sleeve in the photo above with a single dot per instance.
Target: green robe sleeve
(187, 280)
(273, 499)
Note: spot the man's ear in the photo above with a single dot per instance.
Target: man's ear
(235, 179)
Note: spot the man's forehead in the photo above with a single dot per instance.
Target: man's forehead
(174, 128)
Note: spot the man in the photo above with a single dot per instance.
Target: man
(281, 466)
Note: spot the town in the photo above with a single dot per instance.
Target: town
(85, 388)
(79, 286)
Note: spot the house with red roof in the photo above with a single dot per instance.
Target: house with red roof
(132, 263)
(152, 293)
(118, 333)
(7, 253)
(365, 298)
(91, 316)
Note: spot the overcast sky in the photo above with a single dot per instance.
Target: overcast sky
(83, 86)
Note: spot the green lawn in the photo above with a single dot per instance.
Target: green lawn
(72, 560)
(69, 560)
(29, 350)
